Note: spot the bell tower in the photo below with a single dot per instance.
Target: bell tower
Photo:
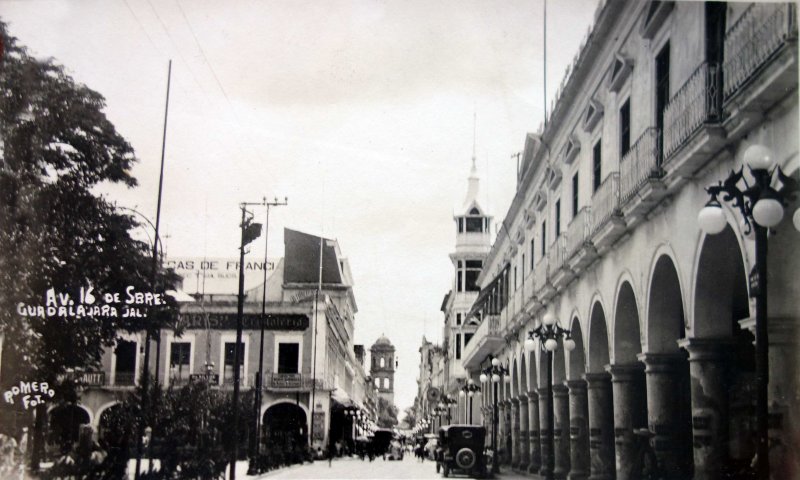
(382, 367)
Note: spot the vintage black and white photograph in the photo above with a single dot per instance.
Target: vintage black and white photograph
(399, 239)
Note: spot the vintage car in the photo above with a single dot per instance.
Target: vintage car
(461, 450)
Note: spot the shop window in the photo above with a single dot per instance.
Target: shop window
(230, 355)
(179, 357)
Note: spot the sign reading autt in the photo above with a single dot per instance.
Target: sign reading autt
(227, 321)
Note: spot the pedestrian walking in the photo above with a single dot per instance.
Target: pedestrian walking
(645, 466)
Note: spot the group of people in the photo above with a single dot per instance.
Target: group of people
(12, 453)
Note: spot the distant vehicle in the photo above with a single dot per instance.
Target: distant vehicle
(461, 450)
(395, 451)
(382, 438)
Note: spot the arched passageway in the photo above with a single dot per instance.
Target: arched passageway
(578, 405)
(667, 372)
(285, 427)
(722, 360)
(628, 380)
(64, 425)
(600, 397)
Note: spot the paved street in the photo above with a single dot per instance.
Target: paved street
(349, 468)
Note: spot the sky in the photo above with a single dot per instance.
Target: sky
(364, 113)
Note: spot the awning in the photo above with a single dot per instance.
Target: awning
(341, 397)
(180, 296)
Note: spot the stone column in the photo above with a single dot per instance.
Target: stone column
(508, 445)
(544, 434)
(561, 431)
(524, 434)
(514, 432)
(501, 430)
(533, 433)
(579, 430)
(707, 368)
(601, 426)
(627, 382)
(666, 417)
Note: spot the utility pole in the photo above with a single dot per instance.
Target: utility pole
(260, 375)
(250, 231)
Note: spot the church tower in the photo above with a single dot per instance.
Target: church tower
(382, 368)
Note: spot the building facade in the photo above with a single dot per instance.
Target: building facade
(662, 100)
(473, 241)
(312, 375)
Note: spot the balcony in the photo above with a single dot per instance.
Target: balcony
(607, 224)
(580, 251)
(210, 378)
(290, 382)
(760, 64)
(487, 339)
(691, 122)
(541, 287)
(558, 272)
(640, 176)
(125, 379)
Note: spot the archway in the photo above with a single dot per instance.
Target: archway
(723, 357)
(64, 424)
(285, 427)
(600, 397)
(667, 372)
(578, 405)
(628, 381)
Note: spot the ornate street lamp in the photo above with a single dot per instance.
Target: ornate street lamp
(762, 207)
(549, 332)
(495, 371)
(467, 392)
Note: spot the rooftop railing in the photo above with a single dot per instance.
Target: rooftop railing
(761, 30)
(641, 163)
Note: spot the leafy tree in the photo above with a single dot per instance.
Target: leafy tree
(387, 413)
(56, 148)
(410, 416)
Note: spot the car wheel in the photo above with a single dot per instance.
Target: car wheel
(465, 458)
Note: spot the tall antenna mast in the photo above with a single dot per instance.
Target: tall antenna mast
(545, 63)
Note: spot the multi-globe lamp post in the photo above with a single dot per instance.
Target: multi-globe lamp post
(467, 392)
(761, 203)
(549, 332)
(494, 372)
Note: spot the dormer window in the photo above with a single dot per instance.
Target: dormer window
(655, 16)
(621, 69)
(571, 149)
(594, 112)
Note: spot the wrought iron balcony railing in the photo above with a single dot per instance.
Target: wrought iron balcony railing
(556, 255)
(698, 101)
(761, 30)
(291, 382)
(125, 379)
(540, 276)
(578, 230)
(642, 162)
(605, 201)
